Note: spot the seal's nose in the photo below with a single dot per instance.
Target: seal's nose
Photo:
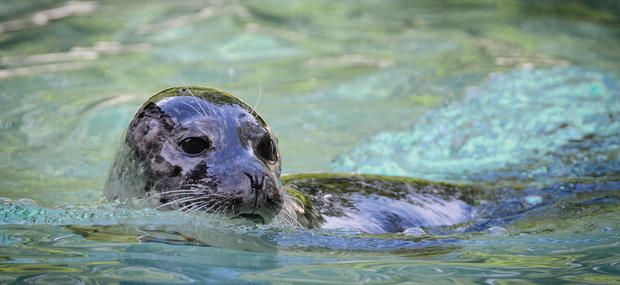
(256, 181)
(259, 186)
(256, 190)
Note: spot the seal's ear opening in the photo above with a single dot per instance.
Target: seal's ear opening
(145, 131)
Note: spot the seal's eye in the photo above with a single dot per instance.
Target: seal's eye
(194, 145)
(267, 148)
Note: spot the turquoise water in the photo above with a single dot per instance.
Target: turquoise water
(521, 99)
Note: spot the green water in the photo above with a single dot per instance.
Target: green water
(522, 99)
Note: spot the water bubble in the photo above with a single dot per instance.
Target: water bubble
(344, 231)
(531, 200)
(263, 227)
(496, 231)
(414, 231)
(27, 202)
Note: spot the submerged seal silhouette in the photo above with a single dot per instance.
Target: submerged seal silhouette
(202, 149)
(199, 149)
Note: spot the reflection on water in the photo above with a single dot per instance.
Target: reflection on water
(43, 17)
(519, 98)
(473, 267)
(58, 61)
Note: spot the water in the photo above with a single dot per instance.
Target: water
(520, 99)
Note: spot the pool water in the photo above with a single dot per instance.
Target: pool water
(521, 100)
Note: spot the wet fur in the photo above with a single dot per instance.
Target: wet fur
(229, 179)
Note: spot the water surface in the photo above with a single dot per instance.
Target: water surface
(521, 99)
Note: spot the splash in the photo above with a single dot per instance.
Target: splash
(525, 124)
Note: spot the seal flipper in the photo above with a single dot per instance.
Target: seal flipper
(378, 204)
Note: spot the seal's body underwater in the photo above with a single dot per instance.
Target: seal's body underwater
(202, 149)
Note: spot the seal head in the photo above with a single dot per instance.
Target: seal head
(199, 149)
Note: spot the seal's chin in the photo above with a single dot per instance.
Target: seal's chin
(256, 218)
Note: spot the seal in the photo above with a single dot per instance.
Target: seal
(202, 149)
(199, 149)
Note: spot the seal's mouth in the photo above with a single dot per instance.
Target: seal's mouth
(256, 218)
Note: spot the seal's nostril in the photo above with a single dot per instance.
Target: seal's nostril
(251, 178)
(257, 181)
(262, 182)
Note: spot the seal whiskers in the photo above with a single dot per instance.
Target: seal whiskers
(260, 94)
(197, 103)
(194, 108)
(176, 201)
(292, 206)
